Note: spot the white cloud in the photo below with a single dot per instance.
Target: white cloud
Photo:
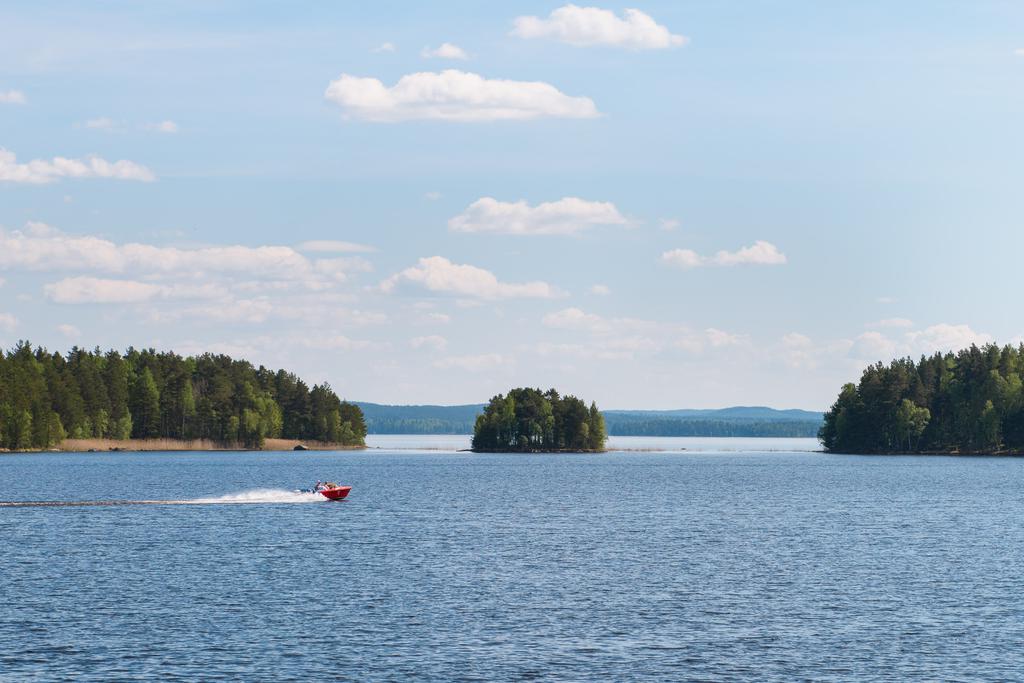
(91, 290)
(563, 217)
(8, 322)
(13, 97)
(453, 95)
(434, 318)
(874, 346)
(431, 341)
(682, 258)
(945, 337)
(162, 127)
(444, 51)
(587, 26)
(102, 123)
(334, 246)
(795, 340)
(69, 331)
(79, 290)
(669, 224)
(600, 290)
(891, 322)
(478, 363)
(384, 47)
(438, 274)
(106, 123)
(885, 300)
(759, 253)
(575, 319)
(40, 171)
(41, 247)
(432, 196)
(1019, 52)
(719, 338)
(941, 338)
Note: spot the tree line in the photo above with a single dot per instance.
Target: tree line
(47, 397)
(968, 402)
(668, 426)
(529, 420)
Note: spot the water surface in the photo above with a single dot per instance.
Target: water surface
(454, 566)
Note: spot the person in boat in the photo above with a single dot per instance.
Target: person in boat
(319, 486)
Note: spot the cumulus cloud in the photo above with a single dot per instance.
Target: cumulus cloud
(945, 337)
(384, 47)
(563, 217)
(940, 338)
(438, 274)
(334, 246)
(444, 51)
(91, 290)
(719, 338)
(624, 337)
(8, 322)
(453, 95)
(13, 97)
(430, 341)
(588, 26)
(575, 319)
(600, 290)
(162, 127)
(477, 363)
(78, 290)
(759, 253)
(874, 345)
(42, 247)
(39, 171)
(69, 331)
(669, 224)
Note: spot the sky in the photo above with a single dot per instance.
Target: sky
(673, 204)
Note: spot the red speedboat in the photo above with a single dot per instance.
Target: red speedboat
(335, 492)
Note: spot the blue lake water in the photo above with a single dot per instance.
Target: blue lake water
(695, 565)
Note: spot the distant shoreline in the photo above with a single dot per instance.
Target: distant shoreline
(198, 445)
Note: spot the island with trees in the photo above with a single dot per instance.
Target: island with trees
(532, 421)
(970, 402)
(144, 396)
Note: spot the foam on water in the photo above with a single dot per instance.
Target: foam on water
(240, 498)
(259, 496)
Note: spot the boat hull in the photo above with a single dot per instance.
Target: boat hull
(338, 493)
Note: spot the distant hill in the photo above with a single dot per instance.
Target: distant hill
(734, 421)
(385, 419)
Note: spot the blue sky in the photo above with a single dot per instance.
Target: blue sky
(697, 204)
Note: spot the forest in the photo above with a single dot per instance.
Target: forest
(621, 425)
(531, 421)
(968, 402)
(48, 397)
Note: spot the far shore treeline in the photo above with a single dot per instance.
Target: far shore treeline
(968, 402)
(47, 397)
(532, 421)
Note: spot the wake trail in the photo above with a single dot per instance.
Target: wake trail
(253, 497)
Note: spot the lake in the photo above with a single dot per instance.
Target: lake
(711, 565)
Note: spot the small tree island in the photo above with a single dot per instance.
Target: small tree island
(532, 421)
(968, 402)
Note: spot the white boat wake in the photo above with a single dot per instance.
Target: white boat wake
(258, 496)
(254, 496)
